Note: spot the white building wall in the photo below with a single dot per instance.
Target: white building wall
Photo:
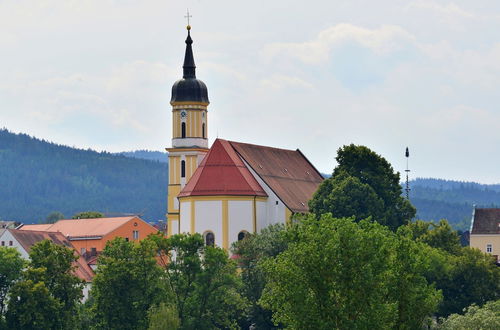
(185, 218)
(175, 227)
(275, 209)
(240, 217)
(7, 237)
(208, 215)
(261, 209)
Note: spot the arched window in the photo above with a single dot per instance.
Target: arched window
(183, 168)
(203, 130)
(183, 130)
(242, 235)
(209, 238)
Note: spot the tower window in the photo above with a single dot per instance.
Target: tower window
(183, 130)
(489, 248)
(183, 168)
(209, 239)
(203, 130)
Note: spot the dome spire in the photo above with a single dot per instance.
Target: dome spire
(189, 67)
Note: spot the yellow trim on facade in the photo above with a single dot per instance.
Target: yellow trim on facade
(225, 224)
(288, 215)
(192, 217)
(222, 197)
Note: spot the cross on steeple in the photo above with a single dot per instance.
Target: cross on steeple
(188, 16)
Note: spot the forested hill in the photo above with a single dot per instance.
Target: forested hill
(38, 177)
(452, 200)
(146, 154)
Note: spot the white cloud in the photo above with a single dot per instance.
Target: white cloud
(384, 40)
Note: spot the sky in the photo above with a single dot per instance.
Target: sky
(314, 75)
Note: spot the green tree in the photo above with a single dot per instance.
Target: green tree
(338, 274)
(475, 318)
(11, 265)
(128, 282)
(369, 169)
(163, 317)
(204, 281)
(469, 278)
(439, 235)
(48, 280)
(88, 215)
(252, 252)
(33, 307)
(54, 217)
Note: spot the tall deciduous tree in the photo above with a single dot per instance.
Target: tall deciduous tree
(88, 215)
(252, 251)
(204, 282)
(48, 281)
(348, 193)
(338, 274)
(486, 317)
(128, 282)
(11, 265)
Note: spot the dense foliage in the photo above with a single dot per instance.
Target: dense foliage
(38, 178)
(127, 284)
(47, 293)
(475, 318)
(363, 184)
(338, 274)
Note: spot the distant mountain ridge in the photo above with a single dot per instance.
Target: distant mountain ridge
(158, 156)
(38, 177)
(436, 199)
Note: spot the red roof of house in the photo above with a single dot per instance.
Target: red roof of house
(486, 221)
(222, 172)
(27, 238)
(288, 173)
(97, 227)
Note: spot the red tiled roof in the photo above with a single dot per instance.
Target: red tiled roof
(27, 238)
(97, 227)
(287, 172)
(486, 221)
(222, 172)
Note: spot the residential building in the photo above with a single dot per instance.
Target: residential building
(485, 231)
(89, 236)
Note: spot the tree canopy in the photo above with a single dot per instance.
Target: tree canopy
(363, 184)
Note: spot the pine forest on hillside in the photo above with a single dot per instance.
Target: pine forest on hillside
(38, 177)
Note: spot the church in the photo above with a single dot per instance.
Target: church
(230, 189)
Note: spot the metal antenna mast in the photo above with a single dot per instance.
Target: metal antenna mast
(407, 155)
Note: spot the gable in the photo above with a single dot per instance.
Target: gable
(222, 172)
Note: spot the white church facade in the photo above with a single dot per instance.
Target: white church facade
(232, 188)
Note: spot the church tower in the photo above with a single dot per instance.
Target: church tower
(189, 132)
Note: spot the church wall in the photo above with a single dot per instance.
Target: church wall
(261, 209)
(275, 209)
(209, 218)
(185, 219)
(240, 217)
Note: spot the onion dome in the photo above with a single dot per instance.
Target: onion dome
(189, 89)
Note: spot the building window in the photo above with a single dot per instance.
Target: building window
(203, 130)
(3, 243)
(242, 235)
(126, 239)
(93, 251)
(82, 251)
(183, 130)
(489, 248)
(183, 168)
(136, 234)
(10, 243)
(209, 238)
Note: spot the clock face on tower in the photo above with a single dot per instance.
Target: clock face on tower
(183, 114)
